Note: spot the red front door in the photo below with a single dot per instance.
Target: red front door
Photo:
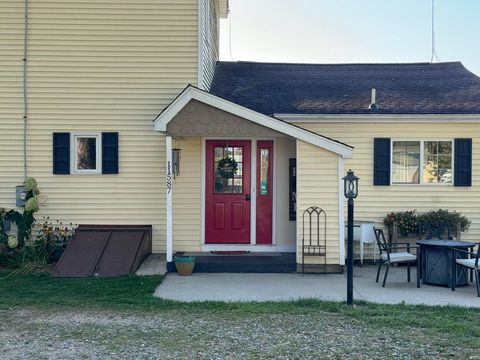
(227, 195)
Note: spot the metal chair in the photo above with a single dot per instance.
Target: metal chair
(389, 257)
(432, 230)
(472, 263)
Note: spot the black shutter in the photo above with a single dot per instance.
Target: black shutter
(109, 153)
(61, 153)
(463, 162)
(381, 161)
(292, 189)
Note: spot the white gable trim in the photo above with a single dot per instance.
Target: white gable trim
(191, 92)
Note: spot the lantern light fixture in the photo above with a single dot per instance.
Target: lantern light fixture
(350, 185)
(176, 162)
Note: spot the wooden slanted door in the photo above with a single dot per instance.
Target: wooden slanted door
(264, 192)
(227, 196)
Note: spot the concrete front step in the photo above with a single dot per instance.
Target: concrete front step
(244, 263)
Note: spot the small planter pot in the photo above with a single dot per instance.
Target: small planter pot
(184, 265)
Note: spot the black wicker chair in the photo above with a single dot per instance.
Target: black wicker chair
(431, 230)
(389, 255)
(472, 263)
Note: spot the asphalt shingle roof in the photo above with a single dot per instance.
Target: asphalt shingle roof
(413, 88)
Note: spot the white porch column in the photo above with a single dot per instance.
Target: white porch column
(341, 209)
(169, 188)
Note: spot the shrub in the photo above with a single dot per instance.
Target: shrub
(3, 232)
(25, 220)
(45, 248)
(452, 218)
(408, 221)
(53, 237)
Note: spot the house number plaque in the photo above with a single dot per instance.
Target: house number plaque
(169, 178)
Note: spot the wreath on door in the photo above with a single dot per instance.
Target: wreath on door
(227, 168)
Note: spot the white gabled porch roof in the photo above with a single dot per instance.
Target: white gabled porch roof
(192, 92)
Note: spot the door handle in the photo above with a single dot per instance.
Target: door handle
(247, 197)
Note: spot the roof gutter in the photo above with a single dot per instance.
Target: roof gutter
(397, 118)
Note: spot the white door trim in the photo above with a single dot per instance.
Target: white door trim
(253, 193)
(248, 247)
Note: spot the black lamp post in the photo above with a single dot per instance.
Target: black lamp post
(350, 192)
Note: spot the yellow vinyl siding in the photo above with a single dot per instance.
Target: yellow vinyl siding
(317, 185)
(374, 202)
(103, 65)
(210, 40)
(187, 190)
(11, 100)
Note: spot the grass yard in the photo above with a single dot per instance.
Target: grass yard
(45, 318)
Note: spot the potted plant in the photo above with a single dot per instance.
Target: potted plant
(184, 265)
(406, 223)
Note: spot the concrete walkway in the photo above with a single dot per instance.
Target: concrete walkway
(283, 287)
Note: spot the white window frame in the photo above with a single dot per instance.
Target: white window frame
(422, 142)
(73, 152)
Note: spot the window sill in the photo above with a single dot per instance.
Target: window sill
(433, 185)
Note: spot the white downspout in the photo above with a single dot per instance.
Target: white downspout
(169, 189)
(25, 94)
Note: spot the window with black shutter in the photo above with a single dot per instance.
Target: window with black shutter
(109, 153)
(85, 153)
(463, 162)
(381, 161)
(61, 153)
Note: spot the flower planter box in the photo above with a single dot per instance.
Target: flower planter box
(395, 236)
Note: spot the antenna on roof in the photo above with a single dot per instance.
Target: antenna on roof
(230, 33)
(434, 51)
(373, 107)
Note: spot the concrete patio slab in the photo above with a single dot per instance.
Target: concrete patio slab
(283, 287)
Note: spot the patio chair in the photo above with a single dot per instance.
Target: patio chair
(390, 255)
(472, 263)
(431, 231)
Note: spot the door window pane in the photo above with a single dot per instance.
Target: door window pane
(264, 164)
(225, 185)
(406, 162)
(218, 153)
(238, 185)
(237, 154)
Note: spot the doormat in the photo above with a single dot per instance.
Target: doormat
(229, 252)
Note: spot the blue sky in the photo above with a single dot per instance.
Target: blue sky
(338, 31)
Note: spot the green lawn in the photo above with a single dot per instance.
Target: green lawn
(437, 330)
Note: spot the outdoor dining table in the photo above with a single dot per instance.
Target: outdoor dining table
(437, 261)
